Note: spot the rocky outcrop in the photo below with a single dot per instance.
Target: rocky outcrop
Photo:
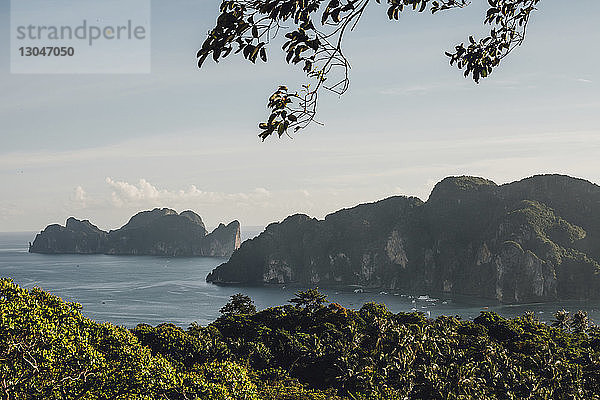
(225, 239)
(160, 232)
(75, 237)
(533, 240)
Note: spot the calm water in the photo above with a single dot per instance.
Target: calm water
(127, 290)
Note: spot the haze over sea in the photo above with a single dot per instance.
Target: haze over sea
(128, 290)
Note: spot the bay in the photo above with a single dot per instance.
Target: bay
(128, 290)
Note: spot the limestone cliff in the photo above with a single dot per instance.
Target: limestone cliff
(161, 232)
(75, 237)
(533, 240)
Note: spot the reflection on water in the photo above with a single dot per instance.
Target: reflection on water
(127, 290)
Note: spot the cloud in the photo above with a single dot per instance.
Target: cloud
(8, 210)
(80, 194)
(408, 91)
(415, 90)
(145, 193)
(80, 198)
(125, 192)
(254, 207)
(423, 89)
(584, 80)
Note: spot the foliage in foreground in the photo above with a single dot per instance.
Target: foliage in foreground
(48, 350)
(305, 351)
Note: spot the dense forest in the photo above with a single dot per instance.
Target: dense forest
(309, 349)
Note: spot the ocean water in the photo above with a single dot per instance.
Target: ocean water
(128, 290)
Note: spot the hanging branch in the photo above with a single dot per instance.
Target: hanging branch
(248, 26)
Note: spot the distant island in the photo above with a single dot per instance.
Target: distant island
(537, 239)
(160, 232)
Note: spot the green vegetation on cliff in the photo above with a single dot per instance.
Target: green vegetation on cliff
(310, 350)
(160, 232)
(533, 240)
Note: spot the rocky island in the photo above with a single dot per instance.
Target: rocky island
(160, 232)
(537, 239)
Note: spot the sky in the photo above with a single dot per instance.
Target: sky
(105, 146)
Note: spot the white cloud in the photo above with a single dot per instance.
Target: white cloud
(8, 210)
(80, 194)
(80, 198)
(427, 88)
(145, 193)
(420, 89)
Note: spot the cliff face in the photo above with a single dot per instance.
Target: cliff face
(225, 239)
(161, 232)
(75, 237)
(362, 245)
(532, 240)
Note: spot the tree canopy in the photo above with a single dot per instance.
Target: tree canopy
(315, 30)
(312, 351)
(239, 304)
(310, 299)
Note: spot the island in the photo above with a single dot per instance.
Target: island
(534, 240)
(159, 232)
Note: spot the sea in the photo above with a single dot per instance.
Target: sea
(129, 290)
